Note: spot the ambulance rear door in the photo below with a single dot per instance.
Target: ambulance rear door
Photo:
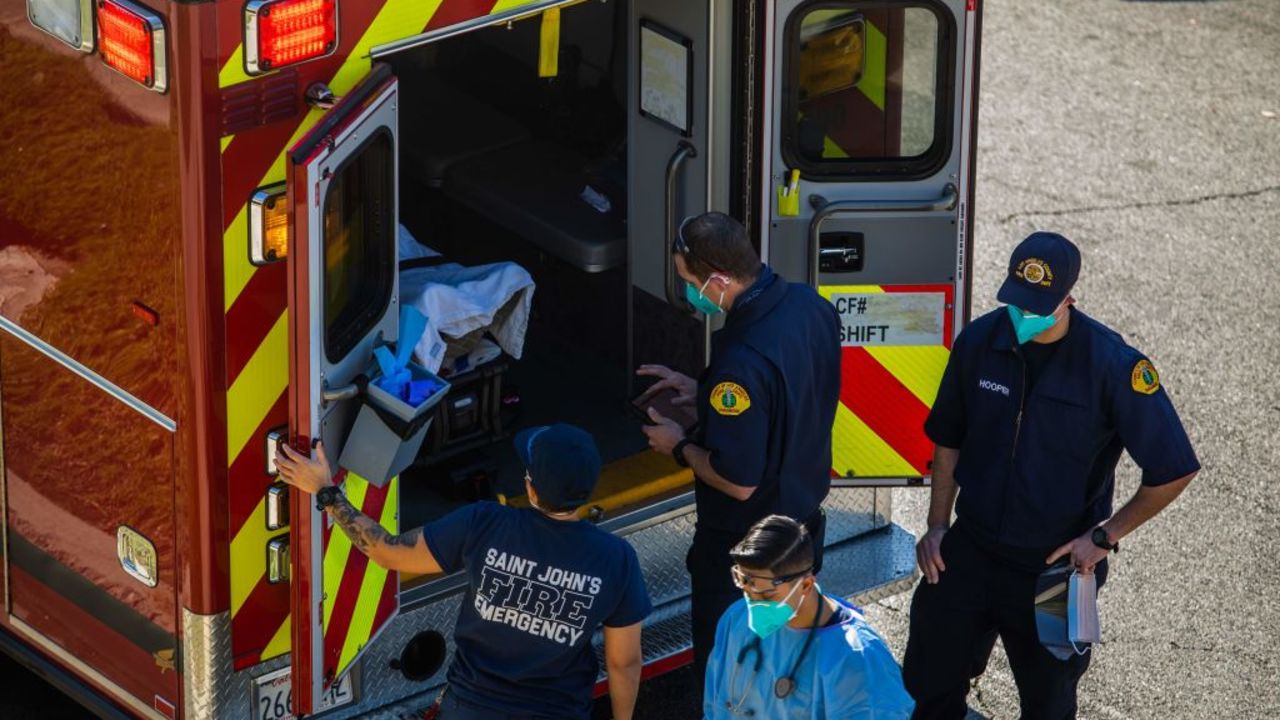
(343, 301)
(869, 139)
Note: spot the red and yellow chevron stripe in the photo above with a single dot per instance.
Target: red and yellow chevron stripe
(257, 328)
(886, 392)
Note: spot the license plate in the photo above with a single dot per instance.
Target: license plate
(273, 696)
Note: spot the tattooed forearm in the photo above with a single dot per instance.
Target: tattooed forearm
(406, 539)
(364, 532)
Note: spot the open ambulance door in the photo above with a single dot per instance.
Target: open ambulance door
(869, 141)
(343, 294)
(670, 155)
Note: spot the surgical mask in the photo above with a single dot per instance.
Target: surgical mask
(700, 301)
(1028, 326)
(765, 617)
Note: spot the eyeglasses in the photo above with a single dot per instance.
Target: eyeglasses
(747, 582)
(680, 247)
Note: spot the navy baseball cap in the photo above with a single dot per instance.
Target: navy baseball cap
(563, 463)
(1042, 271)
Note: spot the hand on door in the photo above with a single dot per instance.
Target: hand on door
(685, 386)
(307, 474)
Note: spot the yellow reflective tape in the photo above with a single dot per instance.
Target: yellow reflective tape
(549, 44)
(233, 72)
(338, 553)
(259, 385)
(226, 141)
(248, 555)
(918, 367)
(280, 642)
(856, 450)
(504, 5)
(827, 291)
(375, 579)
(872, 83)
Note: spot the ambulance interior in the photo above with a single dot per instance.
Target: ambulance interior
(501, 166)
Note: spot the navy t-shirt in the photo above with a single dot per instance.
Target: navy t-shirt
(538, 589)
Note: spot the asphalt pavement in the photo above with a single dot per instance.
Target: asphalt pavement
(1149, 133)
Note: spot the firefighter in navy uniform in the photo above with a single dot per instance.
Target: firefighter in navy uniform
(765, 407)
(1035, 407)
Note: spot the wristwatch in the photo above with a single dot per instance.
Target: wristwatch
(1100, 539)
(328, 495)
(677, 452)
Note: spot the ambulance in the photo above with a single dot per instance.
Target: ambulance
(212, 213)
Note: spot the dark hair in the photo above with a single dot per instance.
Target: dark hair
(776, 543)
(718, 243)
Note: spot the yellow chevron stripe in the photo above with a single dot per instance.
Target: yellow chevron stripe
(857, 450)
(375, 578)
(257, 388)
(249, 555)
(235, 243)
(232, 72)
(280, 641)
(339, 550)
(919, 368)
(873, 80)
(226, 140)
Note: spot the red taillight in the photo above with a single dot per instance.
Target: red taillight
(131, 40)
(286, 32)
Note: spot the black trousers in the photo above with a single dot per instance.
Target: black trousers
(953, 629)
(712, 589)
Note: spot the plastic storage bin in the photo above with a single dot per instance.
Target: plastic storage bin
(388, 432)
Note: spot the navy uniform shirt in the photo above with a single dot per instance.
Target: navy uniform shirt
(1037, 469)
(766, 404)
(538, 590)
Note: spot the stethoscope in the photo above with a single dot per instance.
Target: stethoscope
(783, 686)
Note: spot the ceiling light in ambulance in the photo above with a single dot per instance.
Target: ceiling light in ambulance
(131, 41)
(268, 225)
(287, 32)
(71, 21)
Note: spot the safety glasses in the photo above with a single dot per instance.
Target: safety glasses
(760, 585)
(680, 247)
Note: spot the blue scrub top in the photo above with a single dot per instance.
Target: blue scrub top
(766, 404)
(848, 673)
(1036, 470)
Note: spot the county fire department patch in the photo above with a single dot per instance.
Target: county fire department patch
(1144, 378)
(1036, 272)
(730, 399)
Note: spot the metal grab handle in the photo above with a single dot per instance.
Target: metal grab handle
(684, 151)
(827, 210)
(354, 389)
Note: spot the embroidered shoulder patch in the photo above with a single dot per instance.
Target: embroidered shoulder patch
(730, 399)
(1144, 378)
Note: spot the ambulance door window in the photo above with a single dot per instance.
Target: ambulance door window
(359, 245)
(864, 94)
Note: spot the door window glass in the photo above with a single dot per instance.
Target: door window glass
(359, 245)
(866, 90)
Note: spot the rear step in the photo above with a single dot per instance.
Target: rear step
(864, 569)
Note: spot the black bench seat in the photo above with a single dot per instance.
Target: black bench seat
(534, 189)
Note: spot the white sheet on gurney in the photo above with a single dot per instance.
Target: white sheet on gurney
(458, 300)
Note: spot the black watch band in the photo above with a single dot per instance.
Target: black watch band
(677, 452)
(327, 496)
(1099, 537)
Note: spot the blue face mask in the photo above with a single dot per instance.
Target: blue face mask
(765, 617)
(1028, 326)
(701, 302)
